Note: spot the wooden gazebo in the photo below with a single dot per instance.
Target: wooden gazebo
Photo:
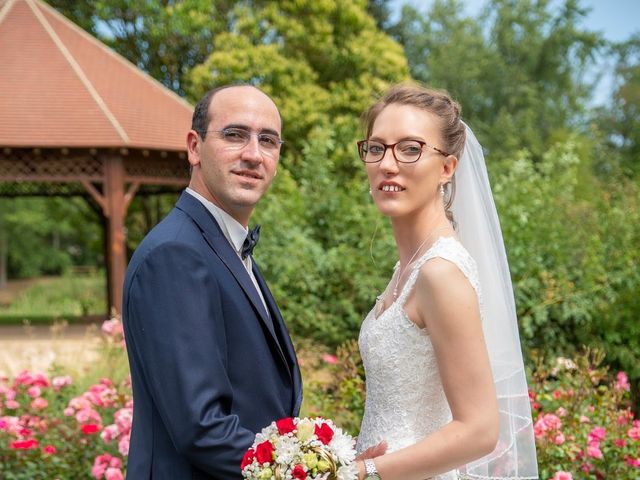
(78, 119)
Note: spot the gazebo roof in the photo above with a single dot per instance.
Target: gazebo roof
(60, 87)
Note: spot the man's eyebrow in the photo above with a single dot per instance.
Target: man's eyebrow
(245, 127)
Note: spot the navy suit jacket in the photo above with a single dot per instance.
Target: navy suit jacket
(209, 367)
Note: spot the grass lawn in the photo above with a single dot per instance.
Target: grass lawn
(46, 299)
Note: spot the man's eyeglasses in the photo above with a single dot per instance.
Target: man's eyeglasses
(406, 151)
(238, 138)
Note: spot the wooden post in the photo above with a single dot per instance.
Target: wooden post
(114, 197)
(4, 252)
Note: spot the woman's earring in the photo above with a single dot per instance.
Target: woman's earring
(370, 192)
(442, 190)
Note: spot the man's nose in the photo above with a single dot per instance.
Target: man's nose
(251, 151)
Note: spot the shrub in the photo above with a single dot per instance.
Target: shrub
(583, 423)
(51, 428)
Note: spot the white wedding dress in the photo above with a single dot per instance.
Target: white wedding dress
(405, 400)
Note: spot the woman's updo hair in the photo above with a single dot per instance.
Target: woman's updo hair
(437, 102)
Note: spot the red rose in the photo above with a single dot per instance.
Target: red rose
(90, 428)
(264, 452)
(285, 425)
(324, 433)
(248, 458)
(299, 473)
(24, 444)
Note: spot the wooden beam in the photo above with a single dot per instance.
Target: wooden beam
(115, 200)
(97, 196)
(131, 192)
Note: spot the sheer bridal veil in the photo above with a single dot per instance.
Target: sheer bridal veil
(479, 231)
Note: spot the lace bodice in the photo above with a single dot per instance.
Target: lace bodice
(405, 398)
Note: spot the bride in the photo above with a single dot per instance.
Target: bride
(446, 388)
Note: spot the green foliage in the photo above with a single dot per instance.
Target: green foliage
(334, 386)
(572, 243)
(517, 69)
(47, 236)
(322, 62)
(619, 121)
(52, 298)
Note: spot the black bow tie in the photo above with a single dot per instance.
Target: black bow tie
(251, 241)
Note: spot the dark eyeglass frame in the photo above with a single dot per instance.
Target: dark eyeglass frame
(278, 142)
(363, 154)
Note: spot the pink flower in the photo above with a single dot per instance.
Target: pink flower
(113, 474)
(34, 391)
(561, 411)
(123, 444)
(112, 327)
(39, 403)
(594, 451)
(620, 442)
(562, 476)
(104, 462)
(330, 359)
(624, 417)
(559, 439)
(123, 419)
(88, 415)
(586, 467)
(634, 433)
(110, 433)
(49, 449)
(584, 419)
(632, 462)
(557, 394)
(68, 412)
(622, 382)
(11, 405)
(597, 434)
(60, 382)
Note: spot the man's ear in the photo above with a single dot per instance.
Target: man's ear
(193, 148)
(448, 168)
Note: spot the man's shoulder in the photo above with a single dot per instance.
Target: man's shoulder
(175, 229)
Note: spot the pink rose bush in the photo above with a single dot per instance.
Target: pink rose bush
(583, 422)
(48, 425)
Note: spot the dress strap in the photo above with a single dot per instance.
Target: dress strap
(449, 249)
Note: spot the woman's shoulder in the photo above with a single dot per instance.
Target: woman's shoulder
(447, 261)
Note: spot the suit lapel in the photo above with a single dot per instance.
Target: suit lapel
(220, 245)
(284, 337)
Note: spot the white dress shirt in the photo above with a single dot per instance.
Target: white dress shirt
(234, 232)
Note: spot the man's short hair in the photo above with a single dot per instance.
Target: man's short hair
(200, 120)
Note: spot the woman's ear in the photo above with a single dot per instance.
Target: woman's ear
(448, 168)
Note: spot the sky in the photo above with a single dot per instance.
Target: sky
(617, 20)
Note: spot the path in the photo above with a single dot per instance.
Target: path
(37, 347)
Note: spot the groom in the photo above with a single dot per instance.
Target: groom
(211, 359)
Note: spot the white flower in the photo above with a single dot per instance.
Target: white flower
(287, 450)
(348, 472)
(342, 447)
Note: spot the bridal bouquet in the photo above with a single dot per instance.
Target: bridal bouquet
(303, 449)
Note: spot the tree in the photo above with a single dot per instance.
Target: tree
(619, 121)
(323, 62)
(164, 38)
(517, 69)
